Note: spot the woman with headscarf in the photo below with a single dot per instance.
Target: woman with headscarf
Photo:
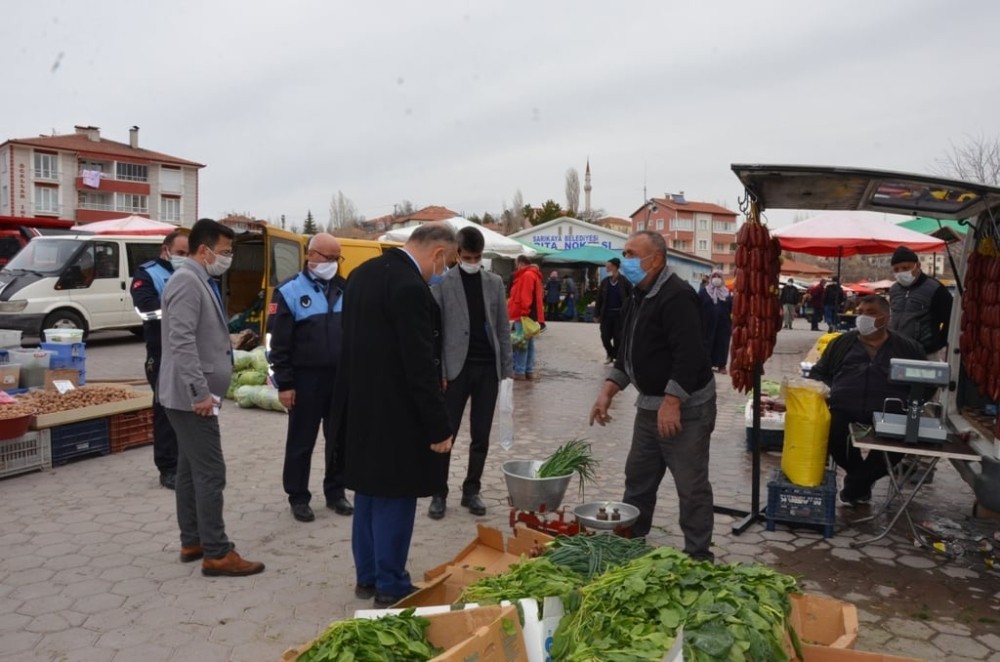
(716, 307)
(553, 288)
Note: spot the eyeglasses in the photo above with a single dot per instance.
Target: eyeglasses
(328, 258)
(225, 253)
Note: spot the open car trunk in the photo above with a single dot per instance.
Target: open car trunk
(977, 205)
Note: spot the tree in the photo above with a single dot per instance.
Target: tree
(977, 160)
(404, 208)
(572, 192)
(309, 225)
(550, 211)
(343, 213)
(517, 219)
(474, 218)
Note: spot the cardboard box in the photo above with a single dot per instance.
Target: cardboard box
(139, 400)
(483, 634)
(487, 555)
(824, 621)
(70, 375)
(824, 654)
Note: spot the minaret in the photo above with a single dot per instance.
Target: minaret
(586, 192)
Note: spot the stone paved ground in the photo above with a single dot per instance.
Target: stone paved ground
(88, 551)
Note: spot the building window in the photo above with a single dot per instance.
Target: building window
(640, 226)
(702, 223)
(170, 180)
(703, 244)
(659, 224)
(46, 166)
(131, 172)
(46, 200)
(681, 224)
(99, 166)
(721, 248)
(170, 210)
(95, 200)
(132, 203)
(723, 227)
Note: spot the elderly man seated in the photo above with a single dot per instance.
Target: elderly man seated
(855, 366)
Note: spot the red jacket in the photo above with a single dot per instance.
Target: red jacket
(525, 291)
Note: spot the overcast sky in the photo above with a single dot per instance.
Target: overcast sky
(463, 103)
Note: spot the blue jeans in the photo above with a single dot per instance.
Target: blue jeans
(380, 539)
(830, 313)
(524, 359)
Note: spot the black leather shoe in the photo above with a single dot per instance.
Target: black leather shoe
(340, 505)
(302, 512)
(168, 479)
(437, 507)
(384, 600)
(475, 504)
(364, 591)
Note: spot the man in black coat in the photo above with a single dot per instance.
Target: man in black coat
(611, 297)
(390, 406)
(147, 288)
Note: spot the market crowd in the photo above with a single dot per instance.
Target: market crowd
(424, 331)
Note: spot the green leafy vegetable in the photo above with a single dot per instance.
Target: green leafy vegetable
(593, 555)
(399, 638)
(539, 578)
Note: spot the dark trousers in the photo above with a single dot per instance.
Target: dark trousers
(313, 397)
(862, 472)
(479, 382)
(552, 310)
(611, 328)
(686, 455)
(201, 479)
(380, 540)
(164, 437)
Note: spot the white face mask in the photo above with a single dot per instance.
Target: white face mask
(324, 270)
(176, 261)
(221, 264)
(905, 278)
(717, 282)
(470, 268)
(866, 325)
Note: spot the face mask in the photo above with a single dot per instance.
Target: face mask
(324, 270)
(470, 268)
(716, 282)
(866, 325)
(632, 269)
(437, 277)
(221, 264)
(176, 261)
(905, 278)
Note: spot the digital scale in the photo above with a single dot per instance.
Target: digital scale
(912, 426)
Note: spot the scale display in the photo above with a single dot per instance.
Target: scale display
(907, 371)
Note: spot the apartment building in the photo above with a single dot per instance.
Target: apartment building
(82, 177)
(700, 228)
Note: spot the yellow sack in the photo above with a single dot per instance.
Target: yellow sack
(530, 326)
(807, 428)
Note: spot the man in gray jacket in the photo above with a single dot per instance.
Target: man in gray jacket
(476, 355)
(195, 373)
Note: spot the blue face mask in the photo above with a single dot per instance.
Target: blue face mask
(632, 269)
(437, 277)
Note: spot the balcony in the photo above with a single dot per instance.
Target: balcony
(96, 206)
(46, 210)
(46, 175)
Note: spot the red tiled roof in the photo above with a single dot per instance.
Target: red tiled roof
(81, 143)
(690, 206)
(432, 213)
(793, 267)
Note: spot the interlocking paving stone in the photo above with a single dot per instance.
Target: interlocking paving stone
(960, 645)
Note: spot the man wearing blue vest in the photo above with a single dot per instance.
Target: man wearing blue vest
(305, 339)
(147, 288)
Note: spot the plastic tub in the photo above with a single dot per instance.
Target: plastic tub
(66, 336)
(10, 376)
(34, 363)
(12, 428)
(10, 338)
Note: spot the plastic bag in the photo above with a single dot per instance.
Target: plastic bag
(530, 326)
(807, 430)
(505, 414)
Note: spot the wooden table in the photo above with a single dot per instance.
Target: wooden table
(863, 437)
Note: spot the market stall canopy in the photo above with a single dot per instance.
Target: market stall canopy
(540, 250)
(497, 245)
(860, 289)
(846, 233)
(827, 188)
(795, 268)
(589, 254)
(948, 230)
(879, 284)
(131, 225)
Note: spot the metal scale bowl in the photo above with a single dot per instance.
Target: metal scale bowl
(536, 502)
(587, 516)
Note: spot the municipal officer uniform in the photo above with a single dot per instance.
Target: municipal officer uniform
(305, 339)
(147, 288)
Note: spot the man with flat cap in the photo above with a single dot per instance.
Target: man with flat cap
(921, 305)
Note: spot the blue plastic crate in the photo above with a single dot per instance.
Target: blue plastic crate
(813, 507)
(65, 350)
(60, 363)
(80, 439)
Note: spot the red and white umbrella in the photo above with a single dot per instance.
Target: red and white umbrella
(131, 225)
(846, 233)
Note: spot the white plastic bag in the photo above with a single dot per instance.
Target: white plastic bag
(505, 413)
